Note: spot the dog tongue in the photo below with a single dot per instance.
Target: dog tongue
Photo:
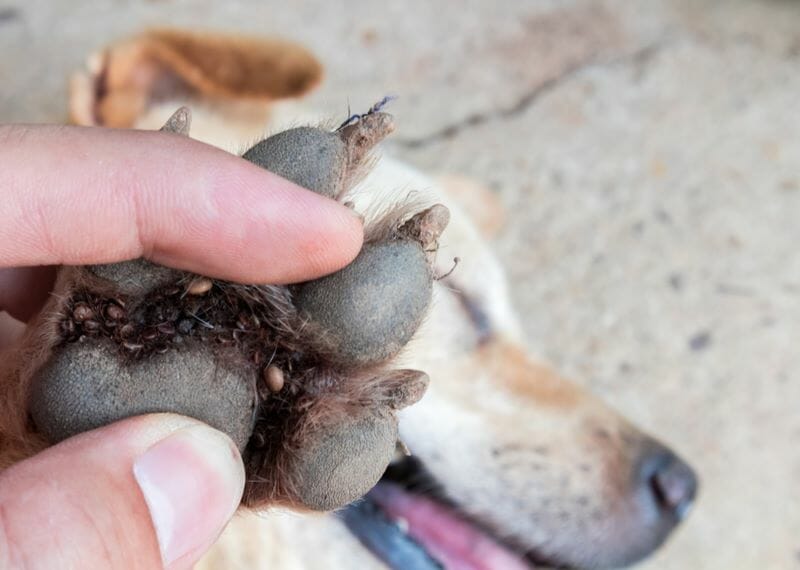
(454, 542)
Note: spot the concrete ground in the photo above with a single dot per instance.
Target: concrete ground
(649, 156)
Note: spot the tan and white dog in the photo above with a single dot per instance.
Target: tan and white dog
(510, 465)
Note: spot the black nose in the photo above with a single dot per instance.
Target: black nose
(672, 483)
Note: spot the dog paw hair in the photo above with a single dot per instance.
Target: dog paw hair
(298, 376)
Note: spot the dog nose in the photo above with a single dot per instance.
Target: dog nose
(671, 482)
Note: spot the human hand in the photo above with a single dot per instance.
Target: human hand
(160, 487)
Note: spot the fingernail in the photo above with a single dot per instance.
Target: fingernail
(192, 482)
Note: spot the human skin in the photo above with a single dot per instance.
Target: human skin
(154, 489)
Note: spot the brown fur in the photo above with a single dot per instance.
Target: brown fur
(514, 370)
(161, 64)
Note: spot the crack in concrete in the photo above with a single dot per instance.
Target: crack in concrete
(639, 57)
(9, 14)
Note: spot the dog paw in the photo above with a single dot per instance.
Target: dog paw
(298, 376)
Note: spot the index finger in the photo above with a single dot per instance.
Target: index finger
(75, 195)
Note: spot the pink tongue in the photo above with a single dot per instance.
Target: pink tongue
(454, 542)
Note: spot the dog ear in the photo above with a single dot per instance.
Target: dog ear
(165, 65)
(236, 66)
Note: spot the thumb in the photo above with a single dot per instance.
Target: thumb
(145, 492)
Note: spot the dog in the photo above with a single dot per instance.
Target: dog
(506, 464)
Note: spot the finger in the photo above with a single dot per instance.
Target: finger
(75, 195)
(146, 491)
(23, 290)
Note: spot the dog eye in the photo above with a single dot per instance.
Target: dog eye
(474, 311)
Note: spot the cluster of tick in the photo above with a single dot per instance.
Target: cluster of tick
(289, 370)
(88, 315)
(169, 317)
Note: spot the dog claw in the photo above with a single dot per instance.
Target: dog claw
(361, 136)
(427, 226)
(403, 388)
(179, 123)
(401, 450)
